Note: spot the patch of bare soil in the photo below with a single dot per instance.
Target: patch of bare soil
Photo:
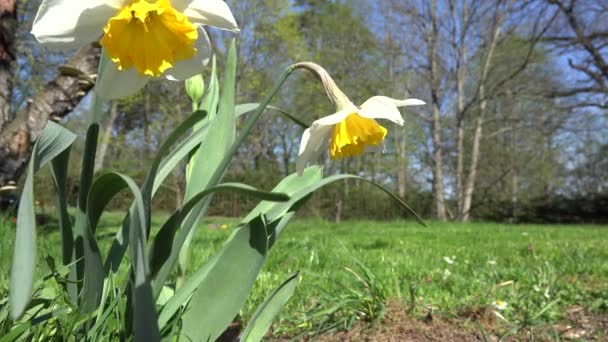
(398, 326)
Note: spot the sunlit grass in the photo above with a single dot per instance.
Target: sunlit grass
(537, 270)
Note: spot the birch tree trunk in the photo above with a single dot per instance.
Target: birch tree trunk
(469, 186)
(460, 47)
(438, 187)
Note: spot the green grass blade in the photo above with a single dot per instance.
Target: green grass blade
(227, 284)
(270, 308)
(16, 334)
(53, 140)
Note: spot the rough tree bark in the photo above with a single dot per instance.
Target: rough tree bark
(57, 99)
(8, 30)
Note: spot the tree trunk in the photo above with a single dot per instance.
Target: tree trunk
(438, 188)
(106, 137)
(8, 29)
(461, 73)
(438, 166)
(57, 99)
(469, 186)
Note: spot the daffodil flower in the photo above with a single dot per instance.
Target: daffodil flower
(351, 128)
(141, 38)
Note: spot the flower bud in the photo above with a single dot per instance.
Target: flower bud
(195, 88)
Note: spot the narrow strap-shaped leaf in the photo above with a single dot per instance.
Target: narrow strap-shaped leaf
(53, 140)
(181, 151)
(268, 310)
(290, 185)
(121, 239)
(282, 208)
(182, 295)
(89, 270)
(165, 248)
(59, 172)
(227, 284)
(211, 152)
(299, 187)
(145, 327)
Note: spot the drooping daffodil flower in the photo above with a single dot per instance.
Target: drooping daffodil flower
(347, 132)
(141, 38)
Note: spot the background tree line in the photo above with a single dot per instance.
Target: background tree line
(514, 127)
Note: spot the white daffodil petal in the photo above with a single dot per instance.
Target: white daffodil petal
(113, 83)
(207, 12)
(185, 69)
(333, 119)
(311, 146)
(381, 107)
(408, 102)
(72, 23)
(399, 103)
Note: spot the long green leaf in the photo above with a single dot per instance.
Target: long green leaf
(299, 187)
(59, 172)
(291, 185)
(53, 140)
(266, 313)
(227, 284)
(211, 152)
(165, 248)
(144, 309)
(89, 270)
(121, 239)
(183, 149)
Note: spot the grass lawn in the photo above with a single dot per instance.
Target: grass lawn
(449, 272)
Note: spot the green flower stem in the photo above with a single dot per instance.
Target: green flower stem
(249, 124)
(86, 251)
(182, 261)
(180, 240)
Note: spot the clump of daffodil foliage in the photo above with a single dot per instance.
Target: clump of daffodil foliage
(95, 294)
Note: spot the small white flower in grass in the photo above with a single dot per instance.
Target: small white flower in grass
(142, 38)
(351, 128)
(499, 304)
(448, 260)
(446, 274)
(491, 262)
